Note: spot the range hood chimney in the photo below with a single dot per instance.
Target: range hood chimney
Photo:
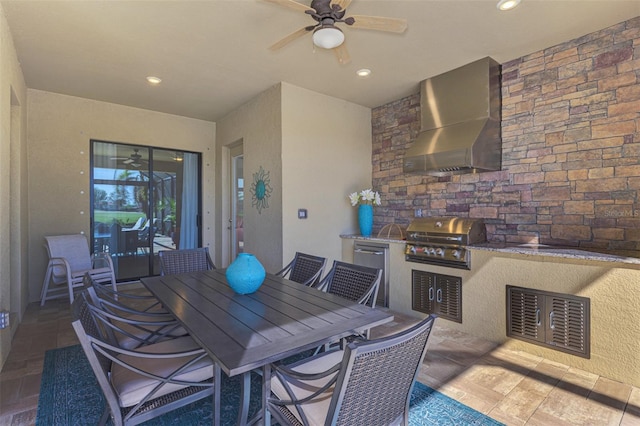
(460, 127)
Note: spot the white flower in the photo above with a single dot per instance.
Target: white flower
(366, 196)
(353, 197)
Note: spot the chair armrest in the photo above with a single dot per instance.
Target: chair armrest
(116, 307)
(284, 374)
(284, 271)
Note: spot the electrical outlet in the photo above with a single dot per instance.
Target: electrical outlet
(417, 213)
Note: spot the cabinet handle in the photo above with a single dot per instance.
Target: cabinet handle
(431, 294)
(538, 317)
(439, 295)
(552, 323)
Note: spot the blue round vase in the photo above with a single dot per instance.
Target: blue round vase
(246, 274)
(365, 219)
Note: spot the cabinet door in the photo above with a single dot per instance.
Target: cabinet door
(558, 321)
(423, 297)
(526, 309)
(437, 294)
(567, 324)
(448, 292)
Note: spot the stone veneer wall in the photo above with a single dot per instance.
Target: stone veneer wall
(571, 150)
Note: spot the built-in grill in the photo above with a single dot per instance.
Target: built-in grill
(443, 240)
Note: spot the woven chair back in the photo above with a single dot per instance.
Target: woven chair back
(353, 282)
(377, 387)
(305, 267)
(186, 260)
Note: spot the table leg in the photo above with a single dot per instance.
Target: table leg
(266, 392)
(217, 380)
(245, 393)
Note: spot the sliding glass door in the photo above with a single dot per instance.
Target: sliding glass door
(145, 200)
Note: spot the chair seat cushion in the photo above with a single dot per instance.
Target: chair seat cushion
(317, 409)
(131, 387)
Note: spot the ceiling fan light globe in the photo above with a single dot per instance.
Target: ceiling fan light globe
(328, 37)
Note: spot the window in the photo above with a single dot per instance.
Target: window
(144, 200)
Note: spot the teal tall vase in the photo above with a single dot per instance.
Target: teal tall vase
(365, 219)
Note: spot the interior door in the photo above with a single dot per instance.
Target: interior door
(236, 219)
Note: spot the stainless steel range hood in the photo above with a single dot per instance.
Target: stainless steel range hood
(460, 128)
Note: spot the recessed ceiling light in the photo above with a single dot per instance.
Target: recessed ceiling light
(363, 72)
(154, 80)
(507, 4)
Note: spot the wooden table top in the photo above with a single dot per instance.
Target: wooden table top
(244, 332)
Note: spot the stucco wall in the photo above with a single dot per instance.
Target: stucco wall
(613, 291)
(257, 124)
(326, 154)
(60, 128)
(13, 189)
(316, 149)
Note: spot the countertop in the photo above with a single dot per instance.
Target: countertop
(616, 256)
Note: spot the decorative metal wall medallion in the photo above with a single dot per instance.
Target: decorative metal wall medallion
(260, 190)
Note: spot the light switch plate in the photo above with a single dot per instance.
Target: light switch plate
(302, 213)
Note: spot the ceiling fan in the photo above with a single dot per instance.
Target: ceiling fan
(134, 160)
(328, 13)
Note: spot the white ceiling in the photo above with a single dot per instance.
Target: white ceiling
(213, 55)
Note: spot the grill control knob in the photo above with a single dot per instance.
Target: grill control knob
(456, 254)
(439, 252)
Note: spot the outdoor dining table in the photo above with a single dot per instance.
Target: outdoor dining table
(242, 333)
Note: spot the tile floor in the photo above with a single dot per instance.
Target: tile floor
(513, 387)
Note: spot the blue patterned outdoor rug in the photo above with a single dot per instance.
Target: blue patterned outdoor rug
(70, 395)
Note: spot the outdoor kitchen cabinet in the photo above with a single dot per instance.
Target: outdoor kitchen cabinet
(437, 294)
(558, 321)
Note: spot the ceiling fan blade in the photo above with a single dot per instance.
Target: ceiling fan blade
(288, 39)
(379, 23)
(128, 161)
(290, 4)
(342, 54)
(342, 3)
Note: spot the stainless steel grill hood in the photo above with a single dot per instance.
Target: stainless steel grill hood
(460, 127)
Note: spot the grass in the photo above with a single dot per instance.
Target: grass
(124, 218)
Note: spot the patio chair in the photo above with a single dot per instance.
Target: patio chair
(185, 260)
(69, 261)
(354, 282)
(141, 300)
(368, 383)
(142, 384)
(131, 329)
(304, 269)
(137, 225)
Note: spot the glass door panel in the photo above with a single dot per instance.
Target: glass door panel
(139, 196)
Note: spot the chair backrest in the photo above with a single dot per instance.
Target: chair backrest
(376, 378)
(304, 269)
(74, 248)
(354, 282)
(186, 260)
(88, 330)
